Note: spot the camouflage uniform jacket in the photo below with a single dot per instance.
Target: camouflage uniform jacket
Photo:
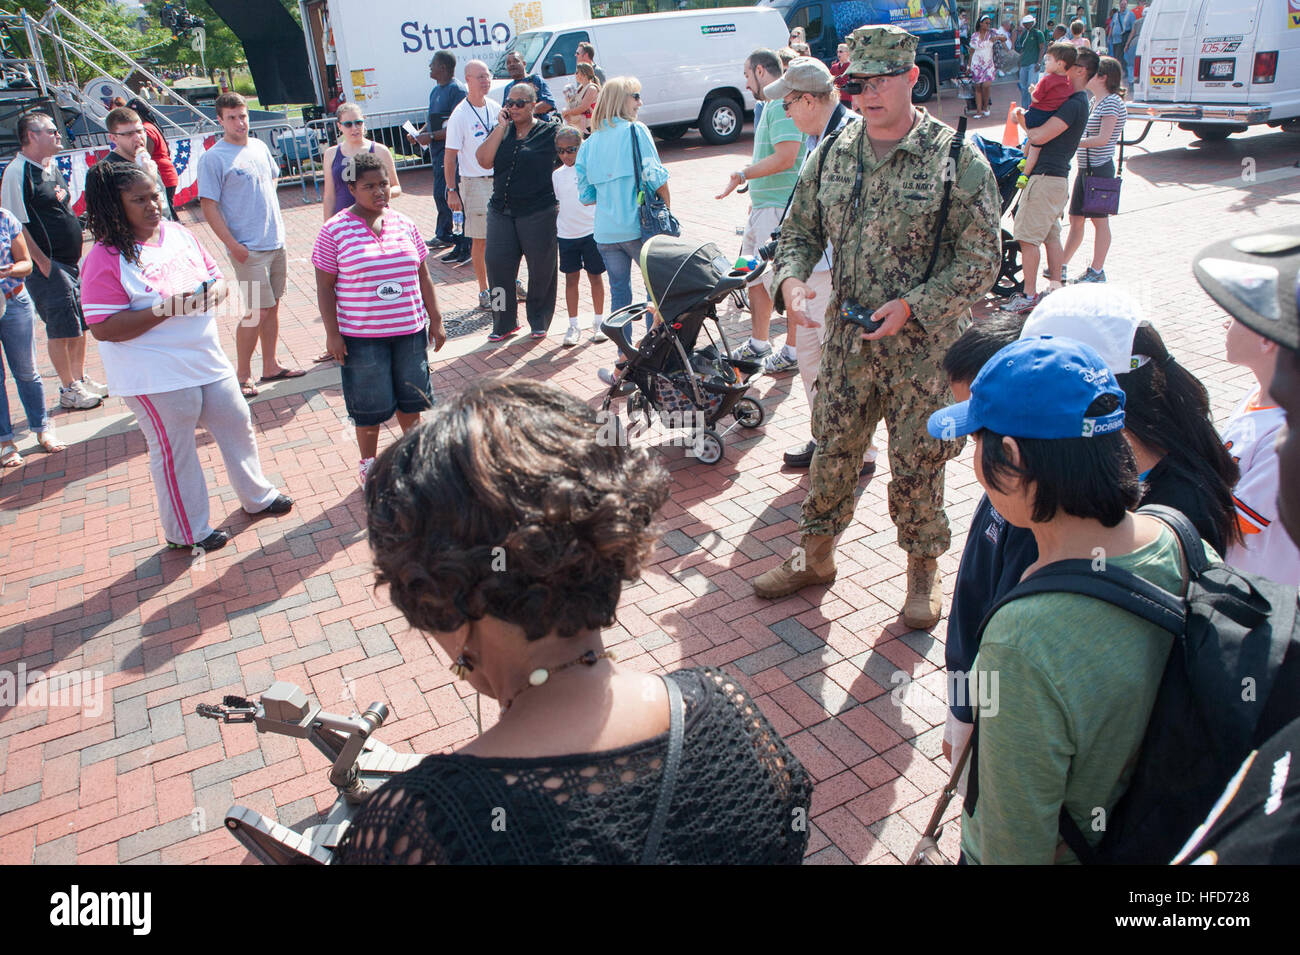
(883, 243)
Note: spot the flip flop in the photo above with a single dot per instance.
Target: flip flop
(9, 456)
(248, 389)
(50, 444)
(282, 374)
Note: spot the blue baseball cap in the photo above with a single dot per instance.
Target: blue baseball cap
(1035, 388)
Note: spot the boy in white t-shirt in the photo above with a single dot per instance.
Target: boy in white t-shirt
(1250, 437)
(576, 226)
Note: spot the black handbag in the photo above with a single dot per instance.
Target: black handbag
(656, 218)
(1101, 193)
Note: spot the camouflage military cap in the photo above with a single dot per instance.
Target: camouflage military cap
(880, 49)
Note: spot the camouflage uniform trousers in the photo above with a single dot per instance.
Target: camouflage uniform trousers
(900, 379)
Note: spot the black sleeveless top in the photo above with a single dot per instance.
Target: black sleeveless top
(741, 797)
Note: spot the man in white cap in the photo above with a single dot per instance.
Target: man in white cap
(1031, 43)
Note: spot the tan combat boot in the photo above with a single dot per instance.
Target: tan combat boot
(812, 562)
(924, 593)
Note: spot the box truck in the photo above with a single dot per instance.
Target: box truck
(1216, 67)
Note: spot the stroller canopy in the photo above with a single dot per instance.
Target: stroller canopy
(681, 274)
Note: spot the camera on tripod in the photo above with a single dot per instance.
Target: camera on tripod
(179, 19)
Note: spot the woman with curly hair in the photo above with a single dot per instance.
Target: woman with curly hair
(504, 528)
(150, 293)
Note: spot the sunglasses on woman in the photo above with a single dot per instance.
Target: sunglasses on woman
(349, 123)
(565, 150)
(635, 96)
(513, 103)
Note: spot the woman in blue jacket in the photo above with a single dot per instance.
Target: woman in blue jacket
(606, 179)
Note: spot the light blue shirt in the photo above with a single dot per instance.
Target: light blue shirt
(242, 179)
(605, 176)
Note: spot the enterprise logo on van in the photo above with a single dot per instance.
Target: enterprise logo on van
(712, 28)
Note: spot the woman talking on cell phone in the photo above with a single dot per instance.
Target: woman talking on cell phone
(150, 293)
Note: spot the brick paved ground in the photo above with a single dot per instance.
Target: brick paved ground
(87, 586)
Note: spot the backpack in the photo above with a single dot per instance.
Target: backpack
(1232, 681)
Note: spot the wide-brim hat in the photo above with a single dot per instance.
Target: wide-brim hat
(1256, 279)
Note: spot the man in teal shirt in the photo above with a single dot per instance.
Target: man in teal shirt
(778, 153)
(1031, 43)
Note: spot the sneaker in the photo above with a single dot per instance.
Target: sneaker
(451, 256)
(573, 336)
(521, 293)
(1092, 275)
(460, 257)
(495, 337)
(282, 504)
(94, 387)
(485, 300)
(363, 470)
(436, 243)
(778, 364)
(76, 396)
(539, 334)
(606, 376)
(1021, 303)
(214, 541)
(747, 352)
(1048, 275)
(596, 334)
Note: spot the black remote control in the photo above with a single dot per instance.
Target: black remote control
(855, 313)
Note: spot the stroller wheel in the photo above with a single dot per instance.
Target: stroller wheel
(748, 413)
(1011, 277)
(707, 446)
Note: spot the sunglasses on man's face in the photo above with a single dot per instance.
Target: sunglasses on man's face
(349, 123)
(873, 84)
(565, 150)
(517, 103)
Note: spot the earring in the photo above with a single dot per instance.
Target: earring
(462, 667)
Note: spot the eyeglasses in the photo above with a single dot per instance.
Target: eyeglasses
(874, 85)
(787, 103)
(565, 150)
(513, 103)
(349, 123)
(138, 131)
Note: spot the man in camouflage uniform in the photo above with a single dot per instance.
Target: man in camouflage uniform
(877, 202)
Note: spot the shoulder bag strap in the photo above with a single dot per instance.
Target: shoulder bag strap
(954, 152)
(668, 780)
(636, 160)
(945, 797)
(1120, 171)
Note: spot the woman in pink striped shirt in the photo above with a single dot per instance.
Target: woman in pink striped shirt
(377, 300)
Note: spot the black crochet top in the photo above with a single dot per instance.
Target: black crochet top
(741, 797)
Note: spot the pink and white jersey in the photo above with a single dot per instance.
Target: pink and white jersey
(180, 352)
(1266, 549)
(378, 288)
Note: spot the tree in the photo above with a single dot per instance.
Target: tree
(109, 20)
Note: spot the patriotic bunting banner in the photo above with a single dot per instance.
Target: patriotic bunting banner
(185, 156)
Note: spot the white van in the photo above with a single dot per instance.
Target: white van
(1217, 66)
(691, 64)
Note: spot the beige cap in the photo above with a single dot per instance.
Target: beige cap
(804, 75)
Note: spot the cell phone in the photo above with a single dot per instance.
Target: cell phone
(202, 290)
(860, 316)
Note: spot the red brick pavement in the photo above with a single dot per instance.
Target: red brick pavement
(87, 588)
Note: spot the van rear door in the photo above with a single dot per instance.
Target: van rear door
(1162, 66)
(1223, 53)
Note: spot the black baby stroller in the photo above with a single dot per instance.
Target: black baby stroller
(1005, 161)
(687, 387)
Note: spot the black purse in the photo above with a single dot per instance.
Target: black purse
(656, 218)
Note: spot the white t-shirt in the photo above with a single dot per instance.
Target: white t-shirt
(467, 127)
(1267, 550)
(183, 351)
(810, 144)
(575, 220)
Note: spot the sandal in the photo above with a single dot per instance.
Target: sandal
(282, 375)
(248, 389)
(9, 456)
(49, 443)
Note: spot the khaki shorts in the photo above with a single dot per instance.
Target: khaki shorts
(474, 195)
(261, 278)
(1038, 217)
(762, 223)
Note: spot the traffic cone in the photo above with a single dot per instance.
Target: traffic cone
(1011, 131)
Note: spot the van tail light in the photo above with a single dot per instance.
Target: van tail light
(1265, 67)
(1137, 70)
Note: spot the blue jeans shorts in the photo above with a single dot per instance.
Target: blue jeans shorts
(382, 376)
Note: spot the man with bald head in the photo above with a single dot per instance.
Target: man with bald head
(469, 185)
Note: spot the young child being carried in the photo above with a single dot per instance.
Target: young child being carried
(1046, 97)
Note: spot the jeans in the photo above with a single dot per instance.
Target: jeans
(1028, 76)
(619, 257)
(381, 376)
(531, 237)
(18, 339)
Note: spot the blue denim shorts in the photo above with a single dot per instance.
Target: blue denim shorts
(382, 376)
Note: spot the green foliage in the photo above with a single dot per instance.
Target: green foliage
(104, 17)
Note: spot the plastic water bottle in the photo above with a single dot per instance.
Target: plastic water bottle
(458, 223)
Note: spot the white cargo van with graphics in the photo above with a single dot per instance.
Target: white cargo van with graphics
(1216, 67)
(690, 64)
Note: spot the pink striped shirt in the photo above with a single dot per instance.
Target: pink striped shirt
(378, 287)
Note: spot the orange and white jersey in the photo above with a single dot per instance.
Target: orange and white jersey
(1266, 549)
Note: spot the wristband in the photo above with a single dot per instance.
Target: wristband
(906, 306)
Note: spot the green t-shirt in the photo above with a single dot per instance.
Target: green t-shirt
(1032, 51)
(772, 192)
(1076, 681)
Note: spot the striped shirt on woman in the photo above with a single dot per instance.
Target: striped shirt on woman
(378, 287)
(1112, 104)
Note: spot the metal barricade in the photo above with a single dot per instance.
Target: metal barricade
(384, 128)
